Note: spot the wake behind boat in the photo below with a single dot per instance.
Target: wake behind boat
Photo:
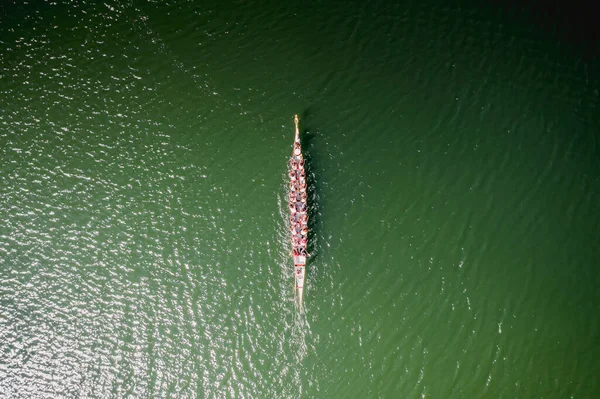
(298, 215)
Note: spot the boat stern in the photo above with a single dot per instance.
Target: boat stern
(299, 275)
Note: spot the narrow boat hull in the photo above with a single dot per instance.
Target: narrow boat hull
(298, 215)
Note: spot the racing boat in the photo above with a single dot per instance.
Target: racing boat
(298, 207)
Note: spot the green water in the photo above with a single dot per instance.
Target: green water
(454, 170)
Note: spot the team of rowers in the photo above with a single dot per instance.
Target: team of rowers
(297, 203)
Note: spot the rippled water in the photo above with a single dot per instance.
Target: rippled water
(454, 177)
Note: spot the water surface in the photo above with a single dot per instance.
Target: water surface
(453, 157)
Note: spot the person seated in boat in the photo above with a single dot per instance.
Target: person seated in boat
(300, 164)
(293, 175)
(302, 207)
(292, 207)
(303, 196)
(304, 231)
(302, 251)
(295, 252)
